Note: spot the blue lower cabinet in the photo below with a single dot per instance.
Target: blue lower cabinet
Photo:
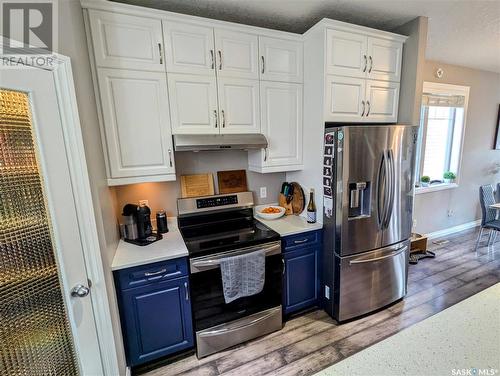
(156, 320)
(301, 277)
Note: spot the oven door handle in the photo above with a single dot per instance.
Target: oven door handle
(211, 262)
(217, 332)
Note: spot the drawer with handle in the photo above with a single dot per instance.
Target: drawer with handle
(151, 273)
(300, 240)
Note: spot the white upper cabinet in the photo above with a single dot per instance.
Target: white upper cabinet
(344, 99)
(189, 48)
(281, 60)
(384, 59)
(346, 53)
(236, 54)
(193, 104)
(239, 105)
(136, 124)
(281, 113)
(381, 101)
(126, 42)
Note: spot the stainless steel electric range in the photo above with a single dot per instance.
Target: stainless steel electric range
(222, 226)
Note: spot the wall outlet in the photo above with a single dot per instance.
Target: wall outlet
(263, 192)
(327, 292)
(450, 212)
(143, 202)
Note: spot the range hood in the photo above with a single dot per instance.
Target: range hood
(197, 142)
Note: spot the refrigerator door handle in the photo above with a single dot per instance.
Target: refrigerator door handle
(392, 254)
(382, 178)
(391, 187)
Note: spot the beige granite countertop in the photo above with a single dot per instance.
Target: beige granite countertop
(170, 247)
(462, 338)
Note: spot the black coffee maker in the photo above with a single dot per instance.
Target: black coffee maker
(141, 215)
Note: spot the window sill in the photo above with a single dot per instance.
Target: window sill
(435, 188)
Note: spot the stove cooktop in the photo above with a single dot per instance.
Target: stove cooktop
(210, 238)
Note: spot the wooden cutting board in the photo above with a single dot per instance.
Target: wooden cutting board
(197, 185)
(299, 201)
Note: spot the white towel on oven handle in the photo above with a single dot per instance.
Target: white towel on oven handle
(243, 275)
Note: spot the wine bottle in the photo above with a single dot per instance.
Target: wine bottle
(311, 208)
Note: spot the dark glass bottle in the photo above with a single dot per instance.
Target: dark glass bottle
(311, 208)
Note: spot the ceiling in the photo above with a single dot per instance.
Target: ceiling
(461, 32)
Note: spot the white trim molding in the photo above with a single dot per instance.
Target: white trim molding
(435, 188)
(454, 229)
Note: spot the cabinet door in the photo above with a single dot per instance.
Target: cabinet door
(344, 99)
(281, 114)
(127, 42)
(193, 104)
(346, 53)
(237, 54)
(382, 101)
(239, 105)
(190, 48)
(136, 122)
(384, 59)
(301, 279)
(281, 60)
(156, 320)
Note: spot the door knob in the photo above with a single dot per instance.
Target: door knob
(79, 291)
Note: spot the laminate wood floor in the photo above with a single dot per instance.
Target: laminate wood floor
(313, 341)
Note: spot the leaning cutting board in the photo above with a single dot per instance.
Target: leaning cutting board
(299, 200)
(197, 185)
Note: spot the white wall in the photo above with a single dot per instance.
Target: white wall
(72, 43)
(431, 209)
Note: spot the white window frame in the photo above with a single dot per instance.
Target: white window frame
(441, 88)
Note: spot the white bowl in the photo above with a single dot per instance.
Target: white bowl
(259, 209)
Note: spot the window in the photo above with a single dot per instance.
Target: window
(440, 135)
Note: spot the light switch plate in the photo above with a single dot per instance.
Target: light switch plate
(263, 192)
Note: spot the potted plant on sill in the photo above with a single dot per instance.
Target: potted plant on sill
(449, 177)
(424, 181)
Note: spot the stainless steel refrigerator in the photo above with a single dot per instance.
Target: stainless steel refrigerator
(368, 183)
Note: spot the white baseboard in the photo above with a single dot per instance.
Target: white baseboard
(128, 371)
(452, 230)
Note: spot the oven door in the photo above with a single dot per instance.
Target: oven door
(207, 297)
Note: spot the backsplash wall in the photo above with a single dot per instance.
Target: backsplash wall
(164, 195)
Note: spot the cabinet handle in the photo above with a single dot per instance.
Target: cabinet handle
(220, 60)
(223, 119)
(216, 121)
(161, 54)
(170, 156)
(369, 106)
(371, 65)
(263, 64)
(265, 154)
(148, 274)
(187, 291)
(300, 241)
(212, 57)
(284, 265)
(363, 112)
(366, 63)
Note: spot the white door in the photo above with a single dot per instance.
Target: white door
(189, 48)
(193, 104)
(281, 105)
(237, 54)
(384, 59)
(46, 254)
(281, 60)
(381, 101)
(344, 99)
(239, 105)
(346, 53)
(127, 42)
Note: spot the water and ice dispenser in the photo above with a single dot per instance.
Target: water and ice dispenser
(359, 199)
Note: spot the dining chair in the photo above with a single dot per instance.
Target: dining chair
(498, 192)
(489, 216)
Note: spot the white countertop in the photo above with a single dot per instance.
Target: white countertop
(170, 247)
(290, 225)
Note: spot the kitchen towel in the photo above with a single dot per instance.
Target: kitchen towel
(243, 275)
